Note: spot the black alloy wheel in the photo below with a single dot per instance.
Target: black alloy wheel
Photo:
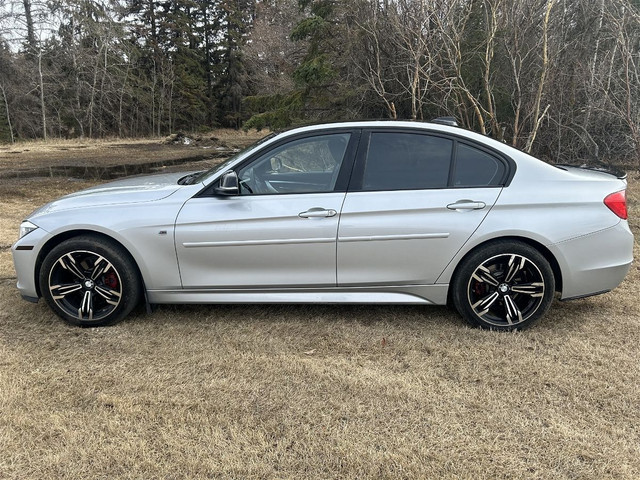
(90, 281)
(505, 285)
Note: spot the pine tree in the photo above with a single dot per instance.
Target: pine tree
(319, 94)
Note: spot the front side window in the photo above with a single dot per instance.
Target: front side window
(407, 161)
(305, 165)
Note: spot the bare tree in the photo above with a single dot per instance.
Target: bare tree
(537, 117)
(375, 68)
(31, 37)
(8, 114)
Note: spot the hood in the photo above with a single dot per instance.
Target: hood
(147, 188)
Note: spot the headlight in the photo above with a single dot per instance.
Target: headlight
(26, 228)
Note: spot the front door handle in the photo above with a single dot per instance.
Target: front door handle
(318, 212)
(462, 205)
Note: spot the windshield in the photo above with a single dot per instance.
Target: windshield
(202, 177)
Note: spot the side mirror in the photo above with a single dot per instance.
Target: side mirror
(229, 184)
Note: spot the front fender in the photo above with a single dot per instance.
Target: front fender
(146, 233)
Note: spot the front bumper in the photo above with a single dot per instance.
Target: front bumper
(25, 257)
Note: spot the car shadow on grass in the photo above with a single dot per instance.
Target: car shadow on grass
(563, 316)
(415, 315)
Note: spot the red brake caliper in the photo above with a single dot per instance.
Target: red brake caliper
(110, 280)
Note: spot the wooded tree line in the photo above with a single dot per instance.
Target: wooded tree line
(559, 78)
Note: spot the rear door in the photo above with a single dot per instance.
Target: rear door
(416, 198)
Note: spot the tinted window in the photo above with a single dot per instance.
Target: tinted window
(407, 161)
(475, 168)
(309, 164)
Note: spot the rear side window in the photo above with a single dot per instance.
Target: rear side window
(407, 161)
(476, 168)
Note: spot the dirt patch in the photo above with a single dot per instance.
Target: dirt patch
(101, 160)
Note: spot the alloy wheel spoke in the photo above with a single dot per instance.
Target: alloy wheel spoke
(69, 263)
(111, 296)
(534, 289)
(86, 307)
(512, 310)
(485, 303)
(100, 267)
(58, 292)
(483, 275)
(515, 264)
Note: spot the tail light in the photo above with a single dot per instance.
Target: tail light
(617, 203)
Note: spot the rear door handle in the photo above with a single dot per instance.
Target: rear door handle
(318, 212)
(466, 205)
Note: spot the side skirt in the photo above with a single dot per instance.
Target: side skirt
(407, 294)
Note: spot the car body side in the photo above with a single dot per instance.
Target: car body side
(589, 247)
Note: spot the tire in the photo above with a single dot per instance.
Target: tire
(505, 285)
(90, 281)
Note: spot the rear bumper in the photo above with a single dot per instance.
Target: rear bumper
(594, 263)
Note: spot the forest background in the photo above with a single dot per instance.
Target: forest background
(557, 78)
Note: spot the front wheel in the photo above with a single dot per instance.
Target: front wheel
(505, 285)
(89, 281)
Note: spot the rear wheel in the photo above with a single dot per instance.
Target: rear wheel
(505, 285)
(89, 281)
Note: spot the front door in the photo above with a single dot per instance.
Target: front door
(280, 231)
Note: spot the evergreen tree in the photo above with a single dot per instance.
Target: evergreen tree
(319, 94)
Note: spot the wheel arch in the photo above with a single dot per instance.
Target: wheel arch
(544, 251)
(69, 234)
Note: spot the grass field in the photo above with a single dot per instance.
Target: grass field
(315, 391)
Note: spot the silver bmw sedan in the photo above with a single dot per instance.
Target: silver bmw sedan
(359, 212)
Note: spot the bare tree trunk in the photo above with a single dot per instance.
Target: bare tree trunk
(124, 84)
(415, 86)
(518, 105)
(154, 83)
(170, 108)
(161, 95)
(31, 38)
(537, 118)
(42, 104)
(6, 106)
(492, 25)
(594, 66)
(208, 72)
(513, 47)
(154, 38)
(93, 93)
(78, 105)
(102, 89)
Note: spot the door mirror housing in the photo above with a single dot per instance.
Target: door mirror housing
(228, 184)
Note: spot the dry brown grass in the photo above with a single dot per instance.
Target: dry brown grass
(316, 391)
